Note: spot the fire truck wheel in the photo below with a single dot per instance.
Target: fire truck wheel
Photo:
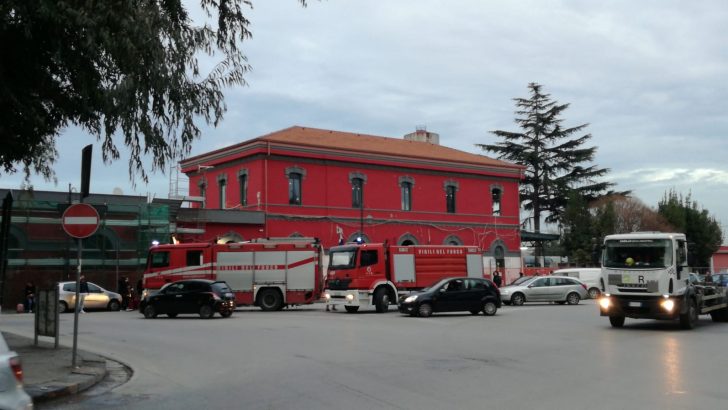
(206, 311)
(150, 312)
(425, 310)
(351, 309)
(381, 300)
(517, 299)
(489, 308)
(270, 300)
(573, 298)
(616, 321)
(689, 318)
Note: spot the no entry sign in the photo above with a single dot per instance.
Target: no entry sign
(80, 220)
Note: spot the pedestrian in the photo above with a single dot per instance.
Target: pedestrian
(29, 300)
(497, 279)
(83, 291)
(124, 291)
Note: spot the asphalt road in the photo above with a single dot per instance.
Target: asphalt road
(532, 357)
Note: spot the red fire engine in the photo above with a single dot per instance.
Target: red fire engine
(270, 273)
(377, 274)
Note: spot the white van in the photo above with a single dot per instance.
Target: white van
(590, 276)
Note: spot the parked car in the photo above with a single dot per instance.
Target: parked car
(720, 278)
(12, 395)
(97, 297)
(590, 277)
(472, 295)
(559, 289)
(199, 296)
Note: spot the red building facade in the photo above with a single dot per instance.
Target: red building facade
(338, 186)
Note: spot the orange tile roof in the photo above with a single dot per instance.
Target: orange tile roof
(348, 141)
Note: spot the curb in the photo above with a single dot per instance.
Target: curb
(82, 378)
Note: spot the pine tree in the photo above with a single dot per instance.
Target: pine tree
(555, 157)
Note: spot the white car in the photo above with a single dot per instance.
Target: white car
(97, 297)
(590, 276)
(12, 395)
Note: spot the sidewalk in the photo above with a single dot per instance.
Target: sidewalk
(47, 372)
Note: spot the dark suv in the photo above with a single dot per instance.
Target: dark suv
(453, 295)
(200, 296)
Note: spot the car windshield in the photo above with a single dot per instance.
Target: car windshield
(221, 288)
(437, 285)
(342, 259)
(638, 253)
(521, 280)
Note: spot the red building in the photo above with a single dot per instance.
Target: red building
(719, 261)
(338, 186)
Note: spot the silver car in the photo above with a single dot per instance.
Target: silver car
(12, 395)
(559, 289)
(96, 298)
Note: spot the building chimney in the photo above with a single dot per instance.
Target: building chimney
(422, 135)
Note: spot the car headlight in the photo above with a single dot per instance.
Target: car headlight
(410, 299)
(350, 297)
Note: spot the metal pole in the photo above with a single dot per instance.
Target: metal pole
(75, 312)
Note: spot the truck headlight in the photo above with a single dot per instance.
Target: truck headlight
(668, 305)
(410, 299)
(604, 303)
(350, 297)
(327, 296)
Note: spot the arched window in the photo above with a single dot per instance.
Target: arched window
(407, 240)
(453, 240)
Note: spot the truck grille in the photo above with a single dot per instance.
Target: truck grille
(339, 284)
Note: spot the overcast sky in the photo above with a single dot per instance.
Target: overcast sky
(650, 77)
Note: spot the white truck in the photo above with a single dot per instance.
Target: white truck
(645, 276)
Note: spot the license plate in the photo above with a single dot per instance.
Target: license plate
(635, 304)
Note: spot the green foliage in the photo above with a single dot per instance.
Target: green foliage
(702, 230)
(554, 157)
(579, 230)
(122, 70)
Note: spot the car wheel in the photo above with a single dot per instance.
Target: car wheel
(616, 321)
(689, 318)
(489, 308)
(226, 313)
(381, 300)
(573, 298)
(270, 300)
(518, 299)
(425, 310)
(172, 315)
(62, 307)
(150, 312)
(206, 311)
(114, 305)
(594, 293)
(351, 309)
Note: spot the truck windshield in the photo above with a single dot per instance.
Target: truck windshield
(342, 259)
(638, 253)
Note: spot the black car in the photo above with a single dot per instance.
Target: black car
(453, 295)
(200, 296)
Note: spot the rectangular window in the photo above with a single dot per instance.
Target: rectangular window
(406, 196)
(368, 258)
(243, 190)
(357, 193)
(496, 195)
(203, 194)
(223, 193)
(160, 259)
(194, 258)
(450, 199)
(294, 188)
